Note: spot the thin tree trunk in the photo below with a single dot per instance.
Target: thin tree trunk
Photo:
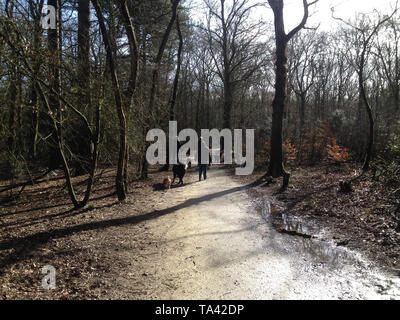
(134, 55)
(176, 82)
(118, 101)
(370, 144)
(84, 53)
(12, 96)
(34, 96)
(155, 80)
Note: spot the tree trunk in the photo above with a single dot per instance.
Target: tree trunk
(228, 101)
(118, 101)
(276, 168)
(134, 67)
(84, 53)
(154, 84)
(54, 46)
(176, 82)
(37, 38)
(12, 96)
(370, 144)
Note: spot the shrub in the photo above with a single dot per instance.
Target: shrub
(387, 168)
(312, 146)
(336, 153)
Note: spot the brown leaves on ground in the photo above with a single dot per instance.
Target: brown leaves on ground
(368, 217)
(88, 248)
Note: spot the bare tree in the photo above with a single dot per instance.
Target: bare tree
(120, 98)
(156, 75)
(276, 168)
(361, 34)
(172, 102)
(303, 49)
(232, 39)
(389, 56)
(83, 73)
(35, 9)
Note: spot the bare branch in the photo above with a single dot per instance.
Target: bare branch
(303, 22)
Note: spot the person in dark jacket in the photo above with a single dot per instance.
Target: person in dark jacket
(202, 148)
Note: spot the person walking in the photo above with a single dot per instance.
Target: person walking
(202, 149)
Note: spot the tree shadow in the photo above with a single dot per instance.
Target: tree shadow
(9, 201)
(22, 245)
(65, 214)
(58, 205)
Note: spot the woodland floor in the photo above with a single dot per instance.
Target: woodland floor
(89, 247)
(41, 229)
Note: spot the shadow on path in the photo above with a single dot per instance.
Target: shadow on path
(24, 245)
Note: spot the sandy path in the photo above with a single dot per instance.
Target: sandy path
(212, 244)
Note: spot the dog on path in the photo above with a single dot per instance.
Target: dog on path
(167, 183)
(179, 171)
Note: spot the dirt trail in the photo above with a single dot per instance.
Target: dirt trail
(212, 244)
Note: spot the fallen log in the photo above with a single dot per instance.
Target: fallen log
(294, 233)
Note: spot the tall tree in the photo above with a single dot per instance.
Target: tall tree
(172, 102)
(35, 9)
(83, 73)
(302, 52)
(122, 99)
(134, 69)
(151, 121)
(388, 53)
(276, 167)
(111, 60)
(362, 36)
(231, 35)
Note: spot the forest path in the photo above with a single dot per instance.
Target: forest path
(213, 244)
